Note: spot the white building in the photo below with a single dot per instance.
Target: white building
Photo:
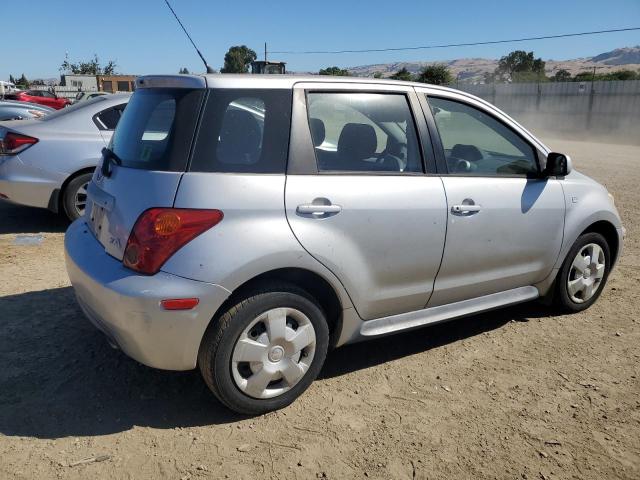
(81, 82)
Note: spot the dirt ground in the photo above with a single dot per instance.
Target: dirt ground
(516, 393)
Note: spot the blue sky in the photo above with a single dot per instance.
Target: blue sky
(142, 36)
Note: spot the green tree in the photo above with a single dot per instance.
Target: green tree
(520, 66)
(336, 71)
(437, 74)
(377, 75)
(621, 75)
(584, 77)
(561, 75)
(12, 79)
(402, 74)
(184, 71)
(88, 67)
(238, 59)
(23, 82)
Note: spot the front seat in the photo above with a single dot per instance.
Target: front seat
(357, 143)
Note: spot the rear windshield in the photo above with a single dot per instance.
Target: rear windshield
(157, 128)
(244, 131)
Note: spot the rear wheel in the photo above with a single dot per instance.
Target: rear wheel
(584, 272)
(265, 350)
(74, 199)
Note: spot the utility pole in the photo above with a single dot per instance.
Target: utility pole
(265, 52)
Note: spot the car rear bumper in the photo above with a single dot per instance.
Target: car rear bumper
(26, 185)
(126, 306)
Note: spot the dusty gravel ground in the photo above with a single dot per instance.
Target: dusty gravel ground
(516, 393)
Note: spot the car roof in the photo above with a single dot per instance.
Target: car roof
(26, 105)
(230, 80)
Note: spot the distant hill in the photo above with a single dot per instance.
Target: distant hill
(619, 56)
(472, 69)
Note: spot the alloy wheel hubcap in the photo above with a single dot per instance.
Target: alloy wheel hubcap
(587, 271)
(81, 199)
(273, 353)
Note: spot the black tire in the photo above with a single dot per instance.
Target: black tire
(563, 298)
(69, 195)
(216, 349)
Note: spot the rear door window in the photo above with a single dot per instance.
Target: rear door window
(363, 132)
(244, 131)
(156, 129)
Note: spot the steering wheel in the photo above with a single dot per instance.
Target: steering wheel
(461, 165)
(388, 157)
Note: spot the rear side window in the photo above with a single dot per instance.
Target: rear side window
(156, 129)
(108, 119)
(244, 131)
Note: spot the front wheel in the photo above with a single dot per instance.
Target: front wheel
(265, 350)
(584, 272)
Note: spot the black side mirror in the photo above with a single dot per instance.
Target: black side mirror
(558, 165)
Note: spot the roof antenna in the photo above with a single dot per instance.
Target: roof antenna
(209, 69)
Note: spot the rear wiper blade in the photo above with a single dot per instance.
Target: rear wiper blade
(108, 156)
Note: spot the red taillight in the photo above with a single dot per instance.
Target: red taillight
(13, 143)
(160, 232)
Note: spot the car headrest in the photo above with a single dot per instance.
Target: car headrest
(357, 141)
(240, 138)
(318, 132)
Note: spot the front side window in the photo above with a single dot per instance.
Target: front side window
(244, 131)
(363, 132)
(475, 143)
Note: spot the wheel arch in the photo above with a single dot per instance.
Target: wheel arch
(610, 234)
(313, 283)
(58, 204)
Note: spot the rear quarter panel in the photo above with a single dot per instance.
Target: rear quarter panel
(253, 238)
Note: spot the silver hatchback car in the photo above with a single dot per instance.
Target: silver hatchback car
(247, 224)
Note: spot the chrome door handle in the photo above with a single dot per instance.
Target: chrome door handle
(318, 209)
(465, 208)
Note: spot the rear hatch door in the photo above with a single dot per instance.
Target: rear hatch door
(151, 148)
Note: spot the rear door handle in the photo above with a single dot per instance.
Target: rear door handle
(318, 209)
(458, 209)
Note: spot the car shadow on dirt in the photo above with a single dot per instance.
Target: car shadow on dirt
(19, 219)
(385, 349)
(60, 378)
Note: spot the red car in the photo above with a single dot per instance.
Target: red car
(42, 97)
